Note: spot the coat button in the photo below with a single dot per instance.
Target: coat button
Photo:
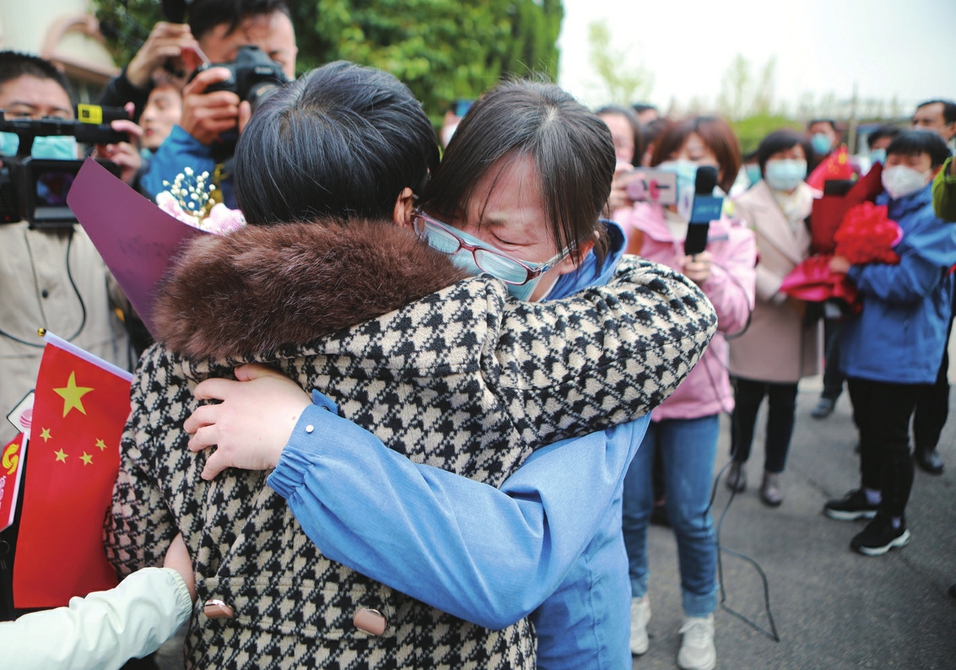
(371, 621)
(217, 609)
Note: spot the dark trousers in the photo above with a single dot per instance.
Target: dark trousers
(782, 399)
(932, 405)
(832, 376)
(882, 414)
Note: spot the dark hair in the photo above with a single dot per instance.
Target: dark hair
(910, 142)
(880, 132)
(781, 140)
(204, 15)
(949, 109)
(631, 118)
(341, 141)
(571, 148)
(716, 134)
(832, 123)
(14, 65)
(654, 129)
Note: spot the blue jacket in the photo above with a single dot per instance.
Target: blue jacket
(177, 152)
(900, 334)
(547, 544)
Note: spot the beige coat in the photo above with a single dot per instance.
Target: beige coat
(777, 346)
(35, 291)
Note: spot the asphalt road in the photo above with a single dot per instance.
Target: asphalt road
(833, 608)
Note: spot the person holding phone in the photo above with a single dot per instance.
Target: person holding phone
(782, 345)
(685, 426)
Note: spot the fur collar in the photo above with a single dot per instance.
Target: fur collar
(263, 287)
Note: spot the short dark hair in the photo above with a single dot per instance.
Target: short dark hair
(716, 134)
(781, 140)
(571, 149)
(341, 141)
(632, 121)
(949, 109)
(639, 107)
(204, 15)
(886, 130)
(910, 142)
(14, 65)
(832, 123)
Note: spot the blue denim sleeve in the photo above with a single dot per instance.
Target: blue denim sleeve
(177, 152)
(485, 555)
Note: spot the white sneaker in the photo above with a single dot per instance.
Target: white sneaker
(697, 651)
(640, 615)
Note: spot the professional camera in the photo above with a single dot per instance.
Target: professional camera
(253, 75)
(34, 189)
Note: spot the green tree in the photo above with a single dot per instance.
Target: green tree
(623, 85)
(442, 49)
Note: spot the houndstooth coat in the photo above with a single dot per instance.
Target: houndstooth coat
(447, 370)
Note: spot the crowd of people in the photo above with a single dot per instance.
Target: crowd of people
(420, 410)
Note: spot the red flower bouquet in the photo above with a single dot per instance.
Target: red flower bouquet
(866, 235)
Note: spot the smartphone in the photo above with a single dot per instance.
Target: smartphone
(651, 185)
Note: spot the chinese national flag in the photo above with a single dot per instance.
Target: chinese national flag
(80, 409)
(834, 167)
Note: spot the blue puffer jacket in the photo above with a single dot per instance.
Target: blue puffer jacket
(900, 335)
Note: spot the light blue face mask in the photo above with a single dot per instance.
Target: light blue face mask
(785, 174)
(877, 156)
(820, 143)
(465, 259)
(53, 147)
(686, 172)
(753, 172)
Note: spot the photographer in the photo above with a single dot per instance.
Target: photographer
(221, 28)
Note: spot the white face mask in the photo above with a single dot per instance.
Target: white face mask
(900, 181)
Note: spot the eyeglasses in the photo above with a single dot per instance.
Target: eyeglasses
(508, 269)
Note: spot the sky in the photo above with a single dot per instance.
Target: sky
(886, 48)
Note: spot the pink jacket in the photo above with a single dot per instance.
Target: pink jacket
(730, 289)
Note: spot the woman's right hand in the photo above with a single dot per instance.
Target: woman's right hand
(252, 424)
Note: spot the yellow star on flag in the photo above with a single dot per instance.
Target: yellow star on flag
(72, 395)
(86, 458)
(60, 456)
(101, 445)
(45, 434)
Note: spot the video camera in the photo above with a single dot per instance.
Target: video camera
(35, 189)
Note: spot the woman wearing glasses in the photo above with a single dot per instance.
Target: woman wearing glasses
(444, 370)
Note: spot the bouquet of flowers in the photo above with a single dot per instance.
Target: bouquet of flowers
(189, 200)
(866, 235)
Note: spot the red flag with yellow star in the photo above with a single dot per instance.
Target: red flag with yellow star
(80, 409)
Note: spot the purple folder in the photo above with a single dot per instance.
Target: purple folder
(137, 240)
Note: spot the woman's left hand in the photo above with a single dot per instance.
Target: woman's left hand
(696, 267)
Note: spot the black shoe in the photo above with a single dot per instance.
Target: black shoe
(850, 507)
(737, 477)
(929, 460)
(823, 409)
(879, 537)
